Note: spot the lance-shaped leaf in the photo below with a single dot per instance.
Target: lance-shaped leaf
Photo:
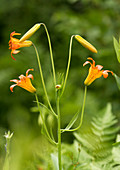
(117, 80)
(117, 48)
(70, 124)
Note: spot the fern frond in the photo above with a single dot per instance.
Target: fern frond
(99, 142)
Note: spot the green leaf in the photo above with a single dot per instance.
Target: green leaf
(117, 80)
(100, 137)
(71, 122)
(116, 144)
(117, 141)
(117, 48)
(55, 161)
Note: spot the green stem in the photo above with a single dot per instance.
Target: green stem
(59, 134)
(42, 79)
(8, 136)
(7, 158)
(52, 141)
(68, 66)
(51, 53)
(81, 120)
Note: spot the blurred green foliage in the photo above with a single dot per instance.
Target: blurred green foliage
(97, 21)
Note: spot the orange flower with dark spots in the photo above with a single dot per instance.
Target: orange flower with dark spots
(15, 44)
(95, 72)
(24, 82)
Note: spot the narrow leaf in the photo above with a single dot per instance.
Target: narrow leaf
(71, 122)
(117, 80)
(117, 48)
(55, 161)
(51, 132)
(116, 144)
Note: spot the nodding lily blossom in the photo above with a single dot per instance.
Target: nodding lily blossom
(24, 82)
(15, 44)
(95, 72)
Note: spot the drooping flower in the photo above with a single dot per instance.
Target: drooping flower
(24, 82)
(85, 43)
(15, 44)
(95, 72)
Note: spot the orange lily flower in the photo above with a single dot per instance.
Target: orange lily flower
(24, 82)
(95, 72)
(15, 44)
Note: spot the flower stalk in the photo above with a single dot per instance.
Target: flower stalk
(51, 53)
(68, 65)
(43, 82)
(59, 131)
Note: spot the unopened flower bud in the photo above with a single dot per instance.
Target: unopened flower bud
(85, 43)
(30, 32)
(58, 86)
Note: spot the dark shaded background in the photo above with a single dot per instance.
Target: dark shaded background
(97, 21)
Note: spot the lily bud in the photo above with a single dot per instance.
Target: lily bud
(30, 32)
(58, 86)
(85, 43)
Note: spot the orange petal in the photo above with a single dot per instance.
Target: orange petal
(105, 73)
(12, 56)
(12, 86)
(16, 51)
(30, 76)
(89, 58)
(28, 71)
(14, 33)
(99, 67)
(87, 62)
(14, 80)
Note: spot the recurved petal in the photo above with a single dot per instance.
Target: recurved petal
(30, 76)
(22, 77)
(12, 86)
(99, 67)
(30, 69)
(15, 51)
(89, 58)
(14, 33)
(105, 73)
(14, 80)
(12, 56)
(87, 62)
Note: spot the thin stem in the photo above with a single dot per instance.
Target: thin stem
(43, 83)
(52, 141)
(68, 66)
(59, 134)
(51, 53)
(81, 120)
(6, 165)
